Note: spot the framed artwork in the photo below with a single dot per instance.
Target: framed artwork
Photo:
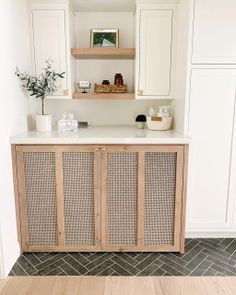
(104, 38)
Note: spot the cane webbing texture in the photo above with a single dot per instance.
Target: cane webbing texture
(40, 187)
(78, 175)
(122, 191)
(159, 210)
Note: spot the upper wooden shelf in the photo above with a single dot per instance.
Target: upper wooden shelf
(95, 53)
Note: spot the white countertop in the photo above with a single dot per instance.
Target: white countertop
(102, 135)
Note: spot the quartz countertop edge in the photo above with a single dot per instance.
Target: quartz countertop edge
(101, 135)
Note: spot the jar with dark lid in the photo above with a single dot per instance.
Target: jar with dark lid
(118, 80)
(105, 82)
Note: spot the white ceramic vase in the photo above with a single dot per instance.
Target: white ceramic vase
(44, 123)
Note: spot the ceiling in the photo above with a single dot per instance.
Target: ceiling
(104, 5)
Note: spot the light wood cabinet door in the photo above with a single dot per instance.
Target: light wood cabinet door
(214, 32)
(50, 41)
(58, 198)
(154, 53)
(142, 198)
(106, 198)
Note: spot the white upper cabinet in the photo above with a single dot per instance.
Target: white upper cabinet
(214, 40)
(154, 67)
(49, 33)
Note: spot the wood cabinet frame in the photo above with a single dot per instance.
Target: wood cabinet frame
(100, 196)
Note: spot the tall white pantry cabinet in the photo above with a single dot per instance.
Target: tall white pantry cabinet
(211, 119)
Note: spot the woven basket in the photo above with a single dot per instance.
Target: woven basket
(99, 88)
(119, 88)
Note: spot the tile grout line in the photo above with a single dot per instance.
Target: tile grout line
(100, 264)
(50, 265)
(212, 257)
(123, 268)
(77, 262)
(151, 264)
(30, 262)
(206, 269)
(22, 268)
(185, 254)
(103, 269)
(57, 254)
(128, 262)
(193, 258)
(103, 254)
(197, 266)
(73, 269)
(224, 269)
(230, 244)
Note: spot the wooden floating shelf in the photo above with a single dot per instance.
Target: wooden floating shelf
(95, 53)
(110, 96)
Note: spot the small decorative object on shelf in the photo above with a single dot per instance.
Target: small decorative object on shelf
(118, 80)
(104, 38)
(105, 82)
(67, 123)
(84, 85)
(160, 121)
(40, 87)
(141, 121)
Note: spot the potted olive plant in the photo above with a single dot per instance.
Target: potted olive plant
(40, 87)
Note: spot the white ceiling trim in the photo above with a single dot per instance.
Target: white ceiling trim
(104, 5)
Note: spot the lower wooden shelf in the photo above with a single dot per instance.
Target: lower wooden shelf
(91, 95)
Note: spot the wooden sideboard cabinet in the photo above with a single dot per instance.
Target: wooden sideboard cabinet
(100, 198)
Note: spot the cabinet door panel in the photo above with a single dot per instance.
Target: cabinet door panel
(214, 32)
(159, 199)
(122, 188)
(79, 203)
(155, 52)
(59, 198)
(211, 118)
(37, 171)
(49, 41)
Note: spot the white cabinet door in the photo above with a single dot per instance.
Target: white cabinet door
(49, 41)
(211, 127)
(154, 48)
(214, 40)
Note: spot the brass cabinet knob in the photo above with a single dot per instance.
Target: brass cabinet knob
(140, 92)
(65, 92)
(103, 149)
(96, 149)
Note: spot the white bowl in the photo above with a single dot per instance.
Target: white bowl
(164, 124)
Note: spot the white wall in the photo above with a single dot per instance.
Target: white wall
(103, 112)
(14, 50)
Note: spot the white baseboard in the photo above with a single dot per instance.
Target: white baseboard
(211, 234)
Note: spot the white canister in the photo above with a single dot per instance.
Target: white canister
(43, 123)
